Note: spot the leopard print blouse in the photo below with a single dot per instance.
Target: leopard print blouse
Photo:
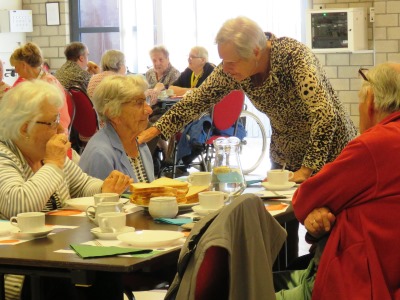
(309, 124)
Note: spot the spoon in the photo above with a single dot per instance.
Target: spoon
(283, 167)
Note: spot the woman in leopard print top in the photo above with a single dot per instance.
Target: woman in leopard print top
(284, 80)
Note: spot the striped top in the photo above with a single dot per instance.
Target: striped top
(21, 190)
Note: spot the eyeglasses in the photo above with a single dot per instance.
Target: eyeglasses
(363, 72)
(53, 125)
(193, 57)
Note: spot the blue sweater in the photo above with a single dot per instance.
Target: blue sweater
(105, 153)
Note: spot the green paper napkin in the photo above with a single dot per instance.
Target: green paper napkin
(87, 251)
(179, 221)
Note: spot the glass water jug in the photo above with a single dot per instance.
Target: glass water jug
(227, 175)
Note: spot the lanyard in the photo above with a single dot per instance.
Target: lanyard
(194, 80)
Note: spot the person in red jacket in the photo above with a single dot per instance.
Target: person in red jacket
(356, 200)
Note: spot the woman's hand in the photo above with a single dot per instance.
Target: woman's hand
(301, 175)
(56, 150)
(148, 135)
(319, 222)
(116, 182)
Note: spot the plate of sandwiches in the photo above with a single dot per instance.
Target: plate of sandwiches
(186, 196)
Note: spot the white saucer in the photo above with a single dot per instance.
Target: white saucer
(275, 187)
(32, 235)
(204, 211)
(110, 235)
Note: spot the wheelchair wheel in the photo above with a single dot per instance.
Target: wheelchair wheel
(254, 145)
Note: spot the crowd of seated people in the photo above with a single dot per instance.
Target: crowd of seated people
(348, 225)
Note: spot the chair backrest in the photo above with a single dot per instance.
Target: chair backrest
(71, 108)
(227, 111)
(245, 240)
(85, 120)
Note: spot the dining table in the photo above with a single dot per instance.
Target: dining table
(38, 258)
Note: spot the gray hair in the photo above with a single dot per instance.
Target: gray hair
(74, 50)
(112, 60)
(161, 49)
(22, 104)
(244, 33)
(384, 81)
(115, 90)
(201, 52)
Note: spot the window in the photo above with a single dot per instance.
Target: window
(135, 26)
(96, 24)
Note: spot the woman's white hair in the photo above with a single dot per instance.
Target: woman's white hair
(201, 52)
(112, 60)
(115, 90)
(23, 104)
(384, 81)
(244, 33)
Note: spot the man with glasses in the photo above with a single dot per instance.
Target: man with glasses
(356, 199)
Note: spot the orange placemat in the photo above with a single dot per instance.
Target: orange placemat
(65, 212)
(276, 207)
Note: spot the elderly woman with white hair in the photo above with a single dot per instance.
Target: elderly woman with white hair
(121, 104)
(35, 173)
(112, 63)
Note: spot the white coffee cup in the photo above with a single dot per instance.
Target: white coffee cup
(200, 178)
(163, 207)
(29, 221)
(279, 177)
(112, 221)
(105, 197)
(212, 199)
(92, 212)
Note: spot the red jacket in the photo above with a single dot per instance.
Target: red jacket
(362, 188)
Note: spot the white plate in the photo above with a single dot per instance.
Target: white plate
(204, 211)
(274, 187)
(84, 202)
(150, 238)
(32, 235)
(110, 235)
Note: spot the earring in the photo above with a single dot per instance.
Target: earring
(27, 138)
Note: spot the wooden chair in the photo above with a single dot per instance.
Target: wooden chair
(85, 123)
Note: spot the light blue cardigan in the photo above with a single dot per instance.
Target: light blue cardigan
(105, 153)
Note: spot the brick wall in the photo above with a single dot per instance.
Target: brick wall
(51, 39)
(383, 41)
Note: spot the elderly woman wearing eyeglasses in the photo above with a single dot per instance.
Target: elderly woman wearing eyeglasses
(121, 104)
(34, 172)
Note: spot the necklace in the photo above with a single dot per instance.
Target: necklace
(194, 79)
